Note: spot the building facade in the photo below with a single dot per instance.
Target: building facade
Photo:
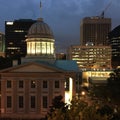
(15, 35)
(114, 42)
(27, 90)
(2, 44)
(90, 56)
(94, 29)
(97, 77)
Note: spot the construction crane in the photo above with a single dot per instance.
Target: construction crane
(103, 12)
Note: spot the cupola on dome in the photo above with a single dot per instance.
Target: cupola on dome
(40, 30)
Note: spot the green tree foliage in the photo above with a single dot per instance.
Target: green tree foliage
(114, 86)
(80, 110)
(110, 92)
(105, 103)
(57, 109)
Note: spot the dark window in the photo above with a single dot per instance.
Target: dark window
(33, 84)
(9, 85)
(0, 85)
(32, 101)
(45, 84)
(21, 84)
(57, 84)
(9, 101)
(21, 102)
(0, 102)
(45, 103)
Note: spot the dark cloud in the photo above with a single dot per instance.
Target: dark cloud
(63, 16)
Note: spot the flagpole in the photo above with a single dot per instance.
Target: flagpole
(40, 9)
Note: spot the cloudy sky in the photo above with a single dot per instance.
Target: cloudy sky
(63, 16)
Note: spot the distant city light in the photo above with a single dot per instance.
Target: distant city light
(19, 31)
(9, 23)
(83, 93)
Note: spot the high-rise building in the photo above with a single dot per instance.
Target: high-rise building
(91, 57)
(94, 29)
(15, 35)
(114, 41)
(2, 43)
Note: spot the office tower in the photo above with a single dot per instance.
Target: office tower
(2, 42)
(95, 30)
(114, 41)
(15, 35)
(91, 57)
(60, 56)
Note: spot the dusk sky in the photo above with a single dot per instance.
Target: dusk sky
(63, 16)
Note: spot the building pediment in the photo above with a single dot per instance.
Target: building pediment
(32, 67)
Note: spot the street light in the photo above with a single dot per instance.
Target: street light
(83, 93)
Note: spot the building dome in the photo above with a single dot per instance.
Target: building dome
(40, 41)
(40, 30)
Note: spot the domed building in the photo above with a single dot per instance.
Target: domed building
(40, 42)
(27, 90)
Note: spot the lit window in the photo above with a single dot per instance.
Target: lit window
(43, 47)
(38, 47)
(52, 48)
(19, 31)
(9, 23)
(33, 84)
(48, 48)
(29, 45)
(33, 48)
(10, 43)
(67, 85)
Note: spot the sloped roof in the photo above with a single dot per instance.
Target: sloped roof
(67, 65)
(32, 67)
(58, 65)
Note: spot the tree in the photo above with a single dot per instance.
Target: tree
(114, 86)
(79, 110)
(109, 93)
(57, 109)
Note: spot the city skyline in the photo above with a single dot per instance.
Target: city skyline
(62, 16)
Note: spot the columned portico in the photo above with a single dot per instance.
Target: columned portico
(40, 46)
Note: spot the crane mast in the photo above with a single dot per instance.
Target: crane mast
(103, 12)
